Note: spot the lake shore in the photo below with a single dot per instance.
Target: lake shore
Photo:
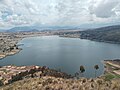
(112, 66)
(12, 52)
(70, 36)
(9, 41)
(78, 36)
(11, 73)
(37, 77)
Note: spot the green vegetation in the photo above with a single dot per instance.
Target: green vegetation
(110, 76)
(4, 70)
(105, 34)
(109, 34)
(11, 48)
(96, 67)
(82, 70)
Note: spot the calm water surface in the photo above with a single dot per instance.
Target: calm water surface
(66, 54)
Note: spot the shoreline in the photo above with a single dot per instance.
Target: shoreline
(13, 52)
(111, 69)
(110, 42)
(12, 75)
(4, 55)
(78, 36)
(69, 36)
(112, 66)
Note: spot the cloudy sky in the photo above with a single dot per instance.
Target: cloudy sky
(58, 12)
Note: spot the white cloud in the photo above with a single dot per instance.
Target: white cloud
(58, 12)
(105, 8)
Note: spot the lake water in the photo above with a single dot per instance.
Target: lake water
(62, 53)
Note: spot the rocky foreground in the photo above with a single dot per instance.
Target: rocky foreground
(10, 74)
(43, 78)
(53, 83)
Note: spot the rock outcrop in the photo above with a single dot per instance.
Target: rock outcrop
(9, 74)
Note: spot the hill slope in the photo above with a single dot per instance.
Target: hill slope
(106, 34)
(52, 83)
(48, 79)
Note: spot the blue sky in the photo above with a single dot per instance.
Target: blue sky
(58, 12)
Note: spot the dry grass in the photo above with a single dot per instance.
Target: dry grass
(52, 83)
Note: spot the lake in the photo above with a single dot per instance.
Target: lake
(62, 53)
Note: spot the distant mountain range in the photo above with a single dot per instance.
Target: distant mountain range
(48, 28)
(22, 29)
(37, 28)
